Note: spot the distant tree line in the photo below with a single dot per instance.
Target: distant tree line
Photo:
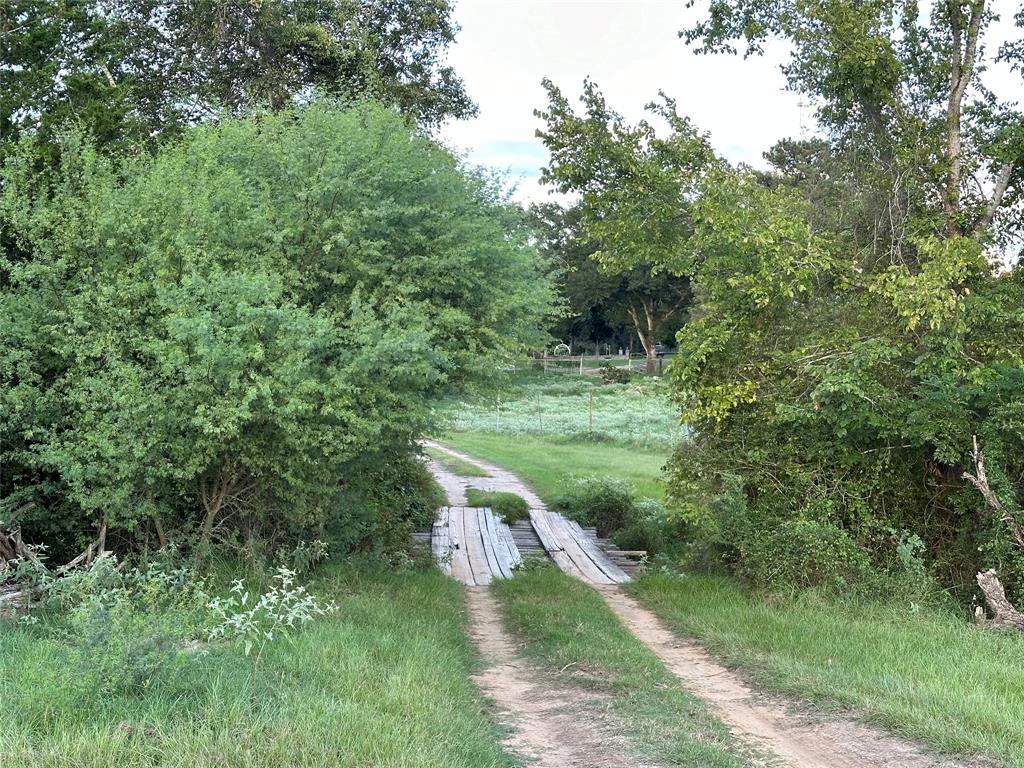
(637, 308)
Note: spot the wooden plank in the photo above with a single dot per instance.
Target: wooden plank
(440, 545)
(481, 573)
(487, 541)
(596, 554)
(461, 570)
(514, 557)
(580, 557)
(498, 530)
(552, 544)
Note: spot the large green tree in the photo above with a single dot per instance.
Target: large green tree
(863, 327)
(604, 302)
(635, 189)
(233, 332)
(136, 70)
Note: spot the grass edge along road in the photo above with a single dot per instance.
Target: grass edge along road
(385, 681)
(569, 630)
(924, 674)
(545, 463)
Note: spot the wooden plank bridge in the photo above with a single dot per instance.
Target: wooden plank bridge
(474, 546)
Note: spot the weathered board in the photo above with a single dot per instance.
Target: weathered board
(473, 545)
(574, 550)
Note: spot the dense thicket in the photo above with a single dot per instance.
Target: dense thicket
(245, 333)
(858, 316)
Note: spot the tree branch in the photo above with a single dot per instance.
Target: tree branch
(980, 481)
(1002, 183)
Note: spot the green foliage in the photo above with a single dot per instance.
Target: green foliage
(603, 502)
(255, 619)
(605, 303)
(126, 626)
(140, 70)
(615, 374)
(242, 325)
(853, 330)
(510, 507)
(652, 529)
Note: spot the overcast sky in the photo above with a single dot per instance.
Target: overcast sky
(631, 49)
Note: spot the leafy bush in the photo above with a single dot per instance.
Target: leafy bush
(602, 502)
(614, 374)
(127, 625)
(382, 500)
(214, 336)
(510, 507)
(651, 530)
(802, 553)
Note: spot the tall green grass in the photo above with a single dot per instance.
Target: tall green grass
(384, 682)
(569, 629)
(927, 674)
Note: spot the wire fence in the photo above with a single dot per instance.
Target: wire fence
(584, 365)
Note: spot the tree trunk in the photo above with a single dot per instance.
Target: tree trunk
(1004, 615)
(961, 71)
(644, 328)
(980, 481)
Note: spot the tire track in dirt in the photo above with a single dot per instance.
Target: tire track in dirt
(550, 725)
(799, 741)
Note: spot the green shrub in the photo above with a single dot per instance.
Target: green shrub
(602, 502)
(171, 350)
(256, 619)
(802, 553)
(508, 506)
(126, 626)
(613, 374)
(651, 530)
(382, 500)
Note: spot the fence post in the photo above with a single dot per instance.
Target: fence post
(581, 364)
(591, 412)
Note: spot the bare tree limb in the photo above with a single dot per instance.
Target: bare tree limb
(980, 481)
(1002, 183)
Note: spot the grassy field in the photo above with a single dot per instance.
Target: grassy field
(545, 463)
(564, 406)
(925, 674)
(568, 629)
(383, 682)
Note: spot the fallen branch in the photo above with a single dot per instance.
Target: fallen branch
(980, 481)
(1004, 615)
